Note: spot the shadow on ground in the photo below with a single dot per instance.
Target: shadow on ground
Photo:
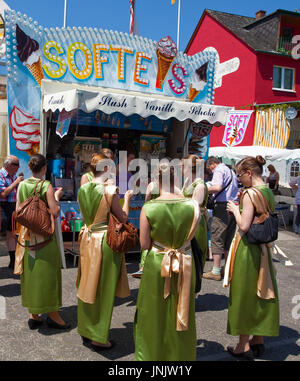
(68, 314)
(10, 290)
(211, 302)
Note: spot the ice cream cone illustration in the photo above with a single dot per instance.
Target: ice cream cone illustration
(36, 70)
(198, 85)
(166, 51)
(29, 54)
(34, 150)
(192, 93)
(233, 136)
(25, 131)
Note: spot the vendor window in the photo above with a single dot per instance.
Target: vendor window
(283, 78)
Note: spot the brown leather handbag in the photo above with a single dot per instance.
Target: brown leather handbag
(120, 237)
(34, 214)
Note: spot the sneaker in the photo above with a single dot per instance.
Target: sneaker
(138, 274)
(210, 275)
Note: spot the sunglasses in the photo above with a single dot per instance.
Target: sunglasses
(15, 164)
(240, 175)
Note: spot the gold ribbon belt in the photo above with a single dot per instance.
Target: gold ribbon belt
(90, 260)
(178, 261)
(265, 288)
(25, 235)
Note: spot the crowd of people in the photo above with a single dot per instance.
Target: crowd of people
(174, 226)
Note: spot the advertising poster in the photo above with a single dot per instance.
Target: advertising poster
(235, 128)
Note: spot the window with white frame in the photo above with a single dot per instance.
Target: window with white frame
(283, 78)
(295, 168)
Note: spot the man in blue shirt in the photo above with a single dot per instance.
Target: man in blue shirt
(224, 186)
(8, 193)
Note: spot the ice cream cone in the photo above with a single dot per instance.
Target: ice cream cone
(164, 64)
(192, 93)
(34, 150)
(36, 70)
(231, 139)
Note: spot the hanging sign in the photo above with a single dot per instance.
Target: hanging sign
(63, 123)
(235, 128)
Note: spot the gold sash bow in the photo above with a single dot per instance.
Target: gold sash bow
(89, 266)
(265, 288)
(178, 261)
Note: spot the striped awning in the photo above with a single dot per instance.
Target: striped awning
(272, 129)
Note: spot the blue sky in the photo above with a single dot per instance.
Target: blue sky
(156, 18)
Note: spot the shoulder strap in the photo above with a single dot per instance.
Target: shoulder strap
(258, 199)
(35, 187)
(218, 194)
(195, 221)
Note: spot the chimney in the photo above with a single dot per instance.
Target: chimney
(260, 14)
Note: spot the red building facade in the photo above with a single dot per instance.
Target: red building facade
(258, 44)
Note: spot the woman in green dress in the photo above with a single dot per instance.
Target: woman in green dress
(101, 272)
(89, 176)
(152, 192)
(164, 325)
(196, 188)
(41, 269)
(253, 302)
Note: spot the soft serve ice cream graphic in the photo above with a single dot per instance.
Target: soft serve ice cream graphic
(166, 52)
(198, 82)
(25, 131)
(29, 54)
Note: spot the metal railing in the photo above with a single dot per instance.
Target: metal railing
(285, 45)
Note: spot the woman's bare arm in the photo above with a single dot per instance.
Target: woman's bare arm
(83, 180)
(53, 202)
(245, 219)
(117, 210)
(199, 193)
(145, 237)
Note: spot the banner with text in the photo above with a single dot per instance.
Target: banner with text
(236, 126)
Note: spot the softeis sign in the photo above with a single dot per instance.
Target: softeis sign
(105, 58)
(235, 128)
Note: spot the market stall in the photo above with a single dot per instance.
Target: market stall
(73, 91)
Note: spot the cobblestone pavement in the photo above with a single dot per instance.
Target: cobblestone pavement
(17, 342)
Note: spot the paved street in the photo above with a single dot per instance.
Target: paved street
(17, 342)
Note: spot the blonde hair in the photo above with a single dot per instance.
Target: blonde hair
(271, 168)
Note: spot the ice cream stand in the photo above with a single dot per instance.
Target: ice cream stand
(73, 91)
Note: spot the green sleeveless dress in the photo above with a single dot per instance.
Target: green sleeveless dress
(154, 195)
(41, 279)
(90, 176)
(155, 335)
(247, 313)
(201, 232)
(94, 319)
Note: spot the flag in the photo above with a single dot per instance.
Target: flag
(173, 2)
(133, 23)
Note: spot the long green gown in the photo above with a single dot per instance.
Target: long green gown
(154, 195)
(155, 335)
(247, 313)
(201, 232)
(94, 319)
(41, 279)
